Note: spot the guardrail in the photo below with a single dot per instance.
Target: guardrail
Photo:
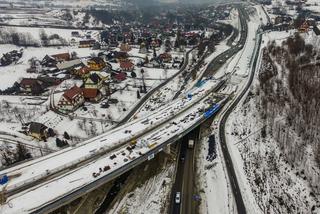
(99, 182)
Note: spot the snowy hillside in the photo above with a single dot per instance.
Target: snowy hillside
(276, 129)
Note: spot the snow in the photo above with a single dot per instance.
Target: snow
(148, 197)
(216, 195)
(15, 72)
(82, 175)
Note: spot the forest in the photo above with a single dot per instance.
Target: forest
(289, 101)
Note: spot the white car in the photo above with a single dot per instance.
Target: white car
(178, 198)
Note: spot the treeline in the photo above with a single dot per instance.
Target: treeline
(11, 36)
(289, 99)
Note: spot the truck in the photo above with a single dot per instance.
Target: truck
(190, 144)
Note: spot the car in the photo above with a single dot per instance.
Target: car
(104, 105)
(178, 197)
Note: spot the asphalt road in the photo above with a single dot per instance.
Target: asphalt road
(184, 182)
(184, 177)
(228, 160)
(220, 60)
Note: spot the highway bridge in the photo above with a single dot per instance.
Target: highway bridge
(75, 171)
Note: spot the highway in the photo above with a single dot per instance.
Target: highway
(227, 157)
(217, 62)
(184, 177)
(184, 182)
(31, 181)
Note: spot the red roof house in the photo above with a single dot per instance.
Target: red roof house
(71, 99)
(126, 65)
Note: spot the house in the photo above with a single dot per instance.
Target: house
(71, 99)
(49, 61)
(304, 28)
(73, 42)
(96, 46)
(94, 81)
(143, 48)
(81, 71)
(155, 43)
(31, 85)
(11, 57)
(61, 57)
(104, 45)
(48, 81)
(282, 19)
(68, 64)
(120, 76)
(125, 47)
(96, 63)
(126, 65)
(92, 94)
(86, 43)
(165, 57)
(75, 34)
(38, 130)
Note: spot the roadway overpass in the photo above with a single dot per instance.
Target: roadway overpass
(44, 184)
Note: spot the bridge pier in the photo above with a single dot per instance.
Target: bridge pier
(167, 150)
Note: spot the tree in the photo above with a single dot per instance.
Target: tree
(51, 133)
(66, 135)
(74, 55)
(61, 143)
(21, 153)
(146, 60)
(138, 95)
(44, 38)
(133, 74)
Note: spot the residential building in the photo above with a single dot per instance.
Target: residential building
(71, 99)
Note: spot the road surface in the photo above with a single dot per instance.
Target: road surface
(184, 182)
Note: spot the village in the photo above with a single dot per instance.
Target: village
(76, 83)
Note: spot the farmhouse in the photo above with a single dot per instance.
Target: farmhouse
(71, 99)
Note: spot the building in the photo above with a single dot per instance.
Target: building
(75, 34)
(81, 71)
(71, 99)
(92, 94)
(96, 63)
(143, 48)
(48, 81)
(121, 76)
(126, 65)
(61, 57)
(48, 61)
(68, 64)
(87, 43)
(304, 28)
(38, 130)
(31, 85)
(165, 57)
(94, 80)
(125, 47)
